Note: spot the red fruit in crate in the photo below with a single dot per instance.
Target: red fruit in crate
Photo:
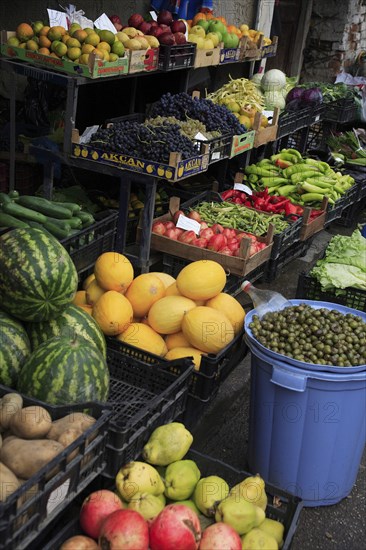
(79, 542)
(177, 526)
(124, 529)
(145, 27)
(135, 20)
(229, 233)
(194, 216)
(169, 225)
(253, 249)
(167, 39)
(204, 225)
(217, 228)
(165, 28)
(159, 228)
(178, 26)
(155, 31)
(176, 215)
(179, 231)
(172, 234)
(94, 510)
(165, 17)
(216, 242)
(200, 242)
(233, 245)
(207, 233)
(115, 19)
(154, 23)
(226, 250)
(220, 536)
(187, 237)
(180, 38)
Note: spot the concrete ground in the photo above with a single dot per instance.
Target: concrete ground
(222, 431)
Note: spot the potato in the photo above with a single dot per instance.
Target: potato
(78, 421)
(9, 405)
(31, 422)
(8, 482)
(79, 542)
(68, 437)
(26, 457)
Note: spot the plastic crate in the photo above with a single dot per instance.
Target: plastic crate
(308, 288)
(180, 56)
(350, 214)
(287, 123)
(316, 114)
(56, 485)
(341, 111)
(295, 251)
(282, 506)
(213, 369)
(89, 243)
(282, 241)
(219, 147)
(335, 211)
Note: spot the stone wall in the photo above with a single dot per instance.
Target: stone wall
(336, 36)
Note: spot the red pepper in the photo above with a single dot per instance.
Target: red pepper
(290, 209)
(228, 194)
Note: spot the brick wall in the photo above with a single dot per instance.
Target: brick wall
(336, 36)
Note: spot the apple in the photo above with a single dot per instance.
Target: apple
(187, 237)
(231, 40)
(215, 37)
(200, 242)
(169, 225)
(176, 215)
(159, 228)
(172, 234)
(165, 28)
(180, 38)
(208, 44)
(95, 509)
(207, 233)
(165, 17)
(217, 228)
(145, 27)
(179, 231)
(135, 20)
(204, 225)
(155, 31)
(229, 233)
(217, 242)
(226, 250)
(196, 40)
(193, 215)
(178, 26)
(199, 31)
(204, 24)
(217, 26)
(125, 529)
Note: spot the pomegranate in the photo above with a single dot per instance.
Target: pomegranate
(124, 529)
(200, 242)
(95, 508)
(145, 27)
(155, 31)
(187, 237)
(217, 228)
(216, 242)
(135, 20)
(220, 536)
(194, 216)
(172, 234)
(167, 38)
(207, 233)
(169, 225)
(177, 214)
(159, 228)
(177, 526)
(180, 38)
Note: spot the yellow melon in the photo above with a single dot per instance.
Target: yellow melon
(230, 307)
(166, 315)
(87, 308)
(177, 353)
(80, 298)
(207, 329)
(113, 271)
(165, 277)
(143, 292)
(144, 337)
(201, 280)
(172, 290)
(93, 293)
(176, 340)
(88, 280)
(113, 313)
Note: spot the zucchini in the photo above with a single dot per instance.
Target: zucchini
(86, 218)
(4, 199)
(14, 195)
(18, 211)
(72, 223)
(39, 226)
(46, 207)
(70, 205)
(57, 231)
(10, 221)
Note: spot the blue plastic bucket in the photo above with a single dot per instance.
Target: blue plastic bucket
(300, 364)
(307, 429)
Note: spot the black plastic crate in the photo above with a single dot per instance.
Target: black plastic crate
(350, 214)
(287, 123)
(316, 114)
(295, 251)
(308, 288)
(175, 57)
(341, 111)
(87, 245)
(282, 506)
(334, 211)
(219, 148)
(57, 484)
(282, 241)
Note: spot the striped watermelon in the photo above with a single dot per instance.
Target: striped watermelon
(14, 349)
(65, 370)
(73, 321)
(38, 277)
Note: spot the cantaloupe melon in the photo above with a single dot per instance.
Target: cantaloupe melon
(207, 329)
(231, 308)
(177, 353)
(165, 316)
(201, 280)
(144, 337)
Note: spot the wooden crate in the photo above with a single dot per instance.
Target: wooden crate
(248, 51)
(207, 58)
(265, 135)
(143, 60)
(235, 265)
(310, 227)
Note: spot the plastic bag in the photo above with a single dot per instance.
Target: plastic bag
(77, 16)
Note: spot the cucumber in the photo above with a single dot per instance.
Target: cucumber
(86, 218)
(57, 231)
(14, 195)
(4, 199)
(39, 226)
(18, 211)
(73, 223)
(10, 221)
(46, 207)
(70, 205)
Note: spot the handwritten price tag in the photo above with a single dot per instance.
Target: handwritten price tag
(87, 134)
(57, 18)
(57, 496)
(188, 224)
(104, 23)
(243, 187)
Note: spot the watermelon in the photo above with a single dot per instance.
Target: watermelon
(73, 321)
(65, 371)
(38, 277)
(14, 349)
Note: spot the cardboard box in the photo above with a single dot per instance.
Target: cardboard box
(271, 49)
(143, 60)
(265, 135)
(242, 143)
(95, 69)
(207, 58)
(230, 55)
(250, 52)
(235, 265)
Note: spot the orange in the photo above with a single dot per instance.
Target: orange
(44, 30)
(44, 42)
(198, 17)
(31, 45)
(44, 51)
(24, 32)
(222, 19)
(65, 38)
(80, 35)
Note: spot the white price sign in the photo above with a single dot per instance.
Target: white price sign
(87, 134)
(154, 17)
(57, 496)
(243, 187)
(103, 23)
(200, 136)
(188, 224)
(57, 18)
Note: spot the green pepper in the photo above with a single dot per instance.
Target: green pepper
(293, 152)
(311, 197)
(302, 176)
(254, 169)
(286, 190)
(273, 181)
(297, 168)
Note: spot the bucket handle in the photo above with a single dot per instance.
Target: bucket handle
(290, 381)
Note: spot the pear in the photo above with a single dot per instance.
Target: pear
(167, 444)
(188, 503)
(208, 492)
(256, 538)
(138, 477)
(274, 528)
(180, 479)
(148, 505)
(239, 514)
(252, 489)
